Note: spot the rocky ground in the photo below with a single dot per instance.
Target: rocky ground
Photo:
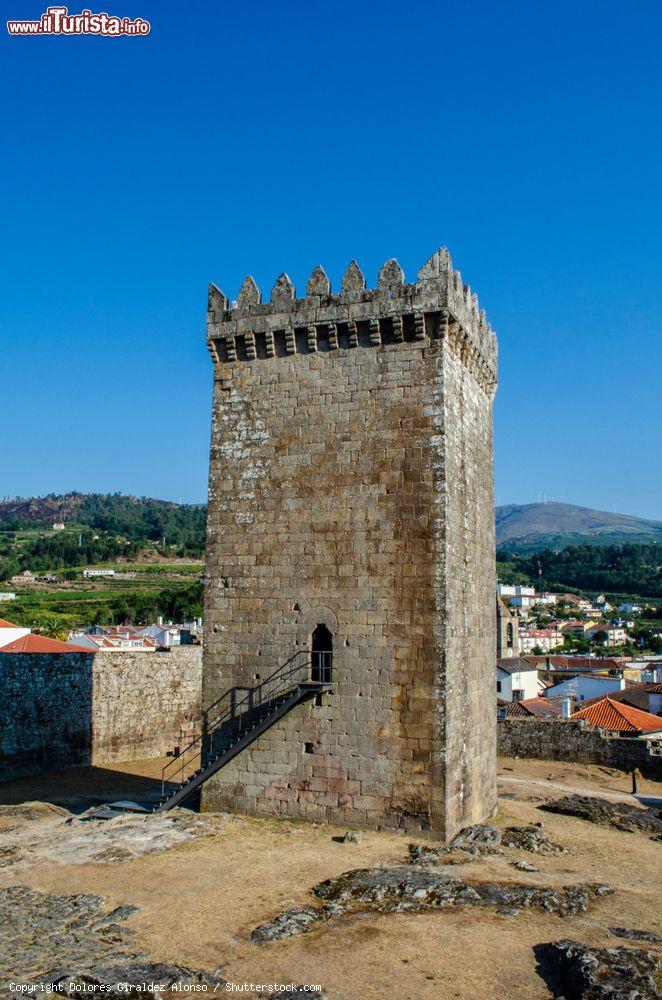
(534, 904)
(621, 815)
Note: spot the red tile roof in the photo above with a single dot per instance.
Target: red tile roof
(5, 624)
(619, 717)
(40, 644)
(632, 694)
(558, 660)
(537, 707)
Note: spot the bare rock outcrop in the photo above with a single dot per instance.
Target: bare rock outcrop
(72, 945)
(631, 934)
(531, 838)
(621, 815)
(414, 888)
(578, 972)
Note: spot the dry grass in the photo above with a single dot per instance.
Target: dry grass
(200, 900)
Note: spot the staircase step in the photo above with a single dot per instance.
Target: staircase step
(245, 730)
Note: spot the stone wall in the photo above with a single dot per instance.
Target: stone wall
(575, 741)
(351, 486)
(75, 709)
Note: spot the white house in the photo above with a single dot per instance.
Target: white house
(544, 639)
(166, 634)
(651, 670)
(614, 634)
(89, 573)
(10, 632)
(585, 686)
(510, 590)
(522, 601)
(546, 599)
(102, 638)
(602, 604)
(517, 680)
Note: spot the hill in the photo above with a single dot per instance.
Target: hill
(536, 526)
(154, 546)
(632, 569)
(138, 519)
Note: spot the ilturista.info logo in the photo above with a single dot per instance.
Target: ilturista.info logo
(58, 21)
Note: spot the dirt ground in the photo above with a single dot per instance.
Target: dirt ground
(199, 900)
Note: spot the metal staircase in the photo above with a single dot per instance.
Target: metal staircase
(238, 718)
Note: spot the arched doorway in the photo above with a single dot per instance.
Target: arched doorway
(321, 654)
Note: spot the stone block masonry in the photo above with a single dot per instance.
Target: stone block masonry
(75, 709)
(573, 740)
(351, 486)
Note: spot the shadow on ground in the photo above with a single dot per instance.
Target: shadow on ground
(77, 789)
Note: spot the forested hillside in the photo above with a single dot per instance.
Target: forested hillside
(621, 569)
(138, 519)
(98, 528)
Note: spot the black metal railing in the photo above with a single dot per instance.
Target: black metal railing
(239, 708)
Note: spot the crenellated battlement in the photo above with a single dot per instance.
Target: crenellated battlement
(437, 306)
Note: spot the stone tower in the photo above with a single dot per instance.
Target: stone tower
(351, 497)
(507, 634)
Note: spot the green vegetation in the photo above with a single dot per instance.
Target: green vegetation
(151, 538)
(99, 529)
(615, 569)
(528, 528)
(130, 535)
(41, 553)
(53, 611)
(134, 519)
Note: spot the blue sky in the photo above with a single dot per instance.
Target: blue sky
(265, 137)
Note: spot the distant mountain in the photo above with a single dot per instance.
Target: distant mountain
(535, 526)
(521, 528)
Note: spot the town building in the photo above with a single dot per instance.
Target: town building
(535, 708)
(549, 664)
(91, 574)
(10, 632)
(103, 638)
(507, 630)
(577, 628)
(31, 643)
(602, 604)
(614, 635)
(512, 590)
(523, 601)
(29, 579)
(539, 639)
(517, 680)
(169, 634)
(583, 687)
(647, 697)
(621, 718)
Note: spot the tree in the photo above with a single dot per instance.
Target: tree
(50, 626)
